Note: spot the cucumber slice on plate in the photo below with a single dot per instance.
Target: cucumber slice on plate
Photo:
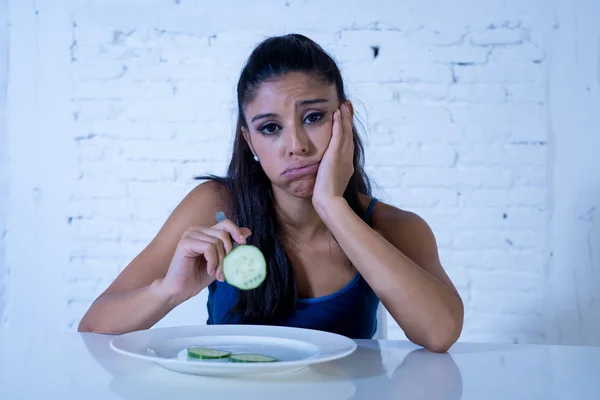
(245, 267)
(207, 354)
(250, 358)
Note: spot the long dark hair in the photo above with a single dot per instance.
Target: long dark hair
(250, 192)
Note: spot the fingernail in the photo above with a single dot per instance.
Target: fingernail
(241, 239)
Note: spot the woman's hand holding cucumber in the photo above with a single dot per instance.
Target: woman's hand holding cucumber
(198, 259)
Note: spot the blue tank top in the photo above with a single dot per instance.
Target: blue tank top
(351, 311)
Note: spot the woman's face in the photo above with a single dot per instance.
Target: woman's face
(289, 128)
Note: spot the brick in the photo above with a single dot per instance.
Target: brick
(169, 150)
(90, 189)
(528, 53)
(370, 92)
(94, 229)
(376, 71)
(119, 90)
(130, 171)
(355, 45)
(215, 93)
(529, 124)
(443, 238)
(475, 119)
(143, 209)
(428, 131)
(98, 110)
(408, 155)
(498, 281)
(101, 249)
(187, 171)
(498, 239)
(99, 70)
(477, 93)
(86, 269)
(500, 260)
(498, 36)
(75, 312)
(441, 36)
(426, 116)
(86, 290)
(453, 54)
(168, 192)
(94, 35)
(525, 217)
(140, 231)
(494, 326)
(460, 277)
(531, 176)
(163, 111)
(423, 197)
(411, 93)
(496, 72)
(459, 177)
(493, 155)
(386, 177)
(519, 197)
(511, 302)
(520, 93)
(91, 151)
(102, 208)
(378, 135)
(206, 133)
(116, 131)
(504, 217)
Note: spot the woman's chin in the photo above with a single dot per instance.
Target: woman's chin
(302, 189)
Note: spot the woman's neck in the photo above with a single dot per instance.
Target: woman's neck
(297, 217)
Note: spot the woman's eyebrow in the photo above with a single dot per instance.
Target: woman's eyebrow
(300, 103)
(311, 101)
(268, 115)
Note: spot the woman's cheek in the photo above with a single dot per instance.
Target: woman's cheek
(323, 136)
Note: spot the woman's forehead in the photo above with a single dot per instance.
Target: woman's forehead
(291, 89)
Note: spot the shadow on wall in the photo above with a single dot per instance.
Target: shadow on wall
(577, 297)
(587, 271)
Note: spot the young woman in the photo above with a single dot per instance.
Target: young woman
(296, 189)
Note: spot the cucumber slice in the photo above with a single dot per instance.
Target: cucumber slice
(207, 354)
(245, 267)
(251, 358)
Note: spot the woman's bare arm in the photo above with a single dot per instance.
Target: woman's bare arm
(136, 300)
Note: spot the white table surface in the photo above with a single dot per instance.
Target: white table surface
(82, 366)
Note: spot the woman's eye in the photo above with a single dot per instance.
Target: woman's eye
(269, 129)
(315, 117)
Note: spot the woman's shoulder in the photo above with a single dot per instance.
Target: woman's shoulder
(199, 206)
(403, 228)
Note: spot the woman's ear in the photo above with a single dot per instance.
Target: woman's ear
(245, 134)
(350, 108)
(247, 139)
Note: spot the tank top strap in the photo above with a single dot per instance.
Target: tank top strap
(370, 210)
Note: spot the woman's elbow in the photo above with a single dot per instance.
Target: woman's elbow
(83, 328)
(445, 337)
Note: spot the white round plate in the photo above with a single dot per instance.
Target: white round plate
(294, 348)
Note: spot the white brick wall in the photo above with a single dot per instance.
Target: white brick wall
(459, 108)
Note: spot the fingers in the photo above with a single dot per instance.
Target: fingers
(238, 234)
(336, 133)
(218, 243)
(347, 115)
(210, 247)
(225, 237)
